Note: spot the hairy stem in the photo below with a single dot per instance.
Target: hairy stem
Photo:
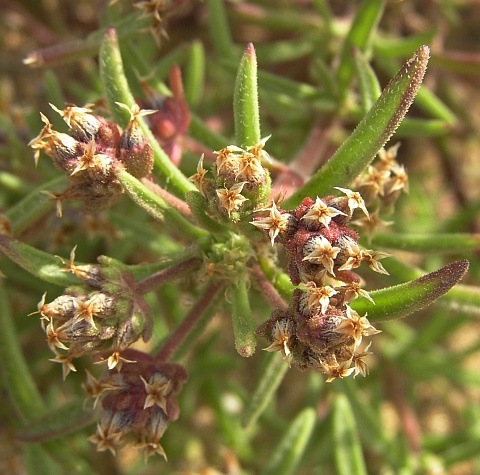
(189, 322)
(269, 292)
(167, 275)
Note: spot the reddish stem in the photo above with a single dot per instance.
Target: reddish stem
(268, 290)
(173, 201)
(189, 322)
(167, 275)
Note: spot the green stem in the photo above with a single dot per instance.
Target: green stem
(242, 318)
(156, 206)
(117, 90)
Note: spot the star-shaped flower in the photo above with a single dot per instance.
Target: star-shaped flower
(94, 388)
(372, 259)
(318, 296)
(106, 438)
(319, 250)
(360, 365)
(115, 360)
(275, 223)
(356, 326)
(321, 213)
(354, 200)
(100, 162)
(199, 177)
(158, 388)
(66, 362)
(232, 199)
(282, 333)
(351, 250)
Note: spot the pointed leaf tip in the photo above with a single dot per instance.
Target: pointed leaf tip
(403, 299)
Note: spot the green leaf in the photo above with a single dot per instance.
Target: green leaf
(61, 421)
(242, 318)
(371, 134)
(400, 46)
(367, 81)
(361, 31)
(245, 100)
(349, 458)
(205, 135)
(271, 379)
(220, 29)
(426, 99)
(155, 206)
(195, 73)
(429, 243)
(17, 381)
(116, 90)
(40, 264)
(290, 451)
(35, 205)
(403, 299)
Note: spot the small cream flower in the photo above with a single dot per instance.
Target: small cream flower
(232, 199)
(275, 223)
(321, 213)
(353, 253)
(157, 388)
(199, 177)
(281, 334)
(100, 162)
(354, 200)
(318, 296)
(356, 326)
(318, 250)
(66, 362)
(360, 365)
(372, 258)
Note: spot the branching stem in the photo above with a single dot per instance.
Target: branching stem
(167, 275)
(189, 322)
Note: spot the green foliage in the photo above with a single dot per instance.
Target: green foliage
(183, 268)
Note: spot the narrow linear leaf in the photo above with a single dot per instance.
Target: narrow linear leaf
(462, 297)
(40, 264)
(413, 127)
(403, 299)
(271, 379)
(400, 46)
(361, 31)
(116, 90)
(195, 73)
(245, 100)
(289, 452)
(38, 461)
(429, 243)
(367, 81)
(242, 318)
(371, 134)
(426, 99)
(205, 135)
(349, 458)
(17, 380)
(35, 205)
(155, 206)
(220, 29)
(59, 422)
